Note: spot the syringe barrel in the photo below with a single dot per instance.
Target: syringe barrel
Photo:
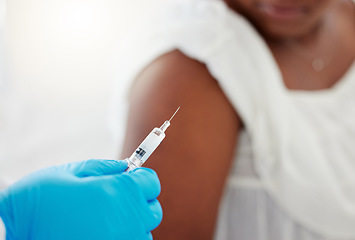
(145, 149)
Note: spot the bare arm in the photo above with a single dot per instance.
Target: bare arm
(194, 159)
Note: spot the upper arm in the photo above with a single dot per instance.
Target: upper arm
(194, 159)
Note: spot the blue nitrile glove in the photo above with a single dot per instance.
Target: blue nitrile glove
(87, 200)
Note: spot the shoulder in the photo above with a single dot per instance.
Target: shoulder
(177, 78)
(174, 80)
(177, 65)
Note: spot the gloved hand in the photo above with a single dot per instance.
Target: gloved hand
(87, 200)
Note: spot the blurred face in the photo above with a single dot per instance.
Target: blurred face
(280, 19)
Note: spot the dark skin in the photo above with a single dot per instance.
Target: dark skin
(185, 162)
(194, 160)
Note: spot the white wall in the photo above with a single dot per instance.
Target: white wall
(58, 63)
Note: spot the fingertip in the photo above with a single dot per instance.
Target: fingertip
(148, 181)
(157, 211)
(113, 166)
(150, 236)
(97, 167)
(144, 170)
(121, 163)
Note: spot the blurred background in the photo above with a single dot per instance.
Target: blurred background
(56, 77)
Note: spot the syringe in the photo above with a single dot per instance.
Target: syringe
(147, 147)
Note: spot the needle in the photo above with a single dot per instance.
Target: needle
(174, 114)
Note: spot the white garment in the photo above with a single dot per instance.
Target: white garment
(293, 176)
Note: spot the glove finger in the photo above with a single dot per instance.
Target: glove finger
(150, 236)
(98, 167)
(148, 181)
(157, 214)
